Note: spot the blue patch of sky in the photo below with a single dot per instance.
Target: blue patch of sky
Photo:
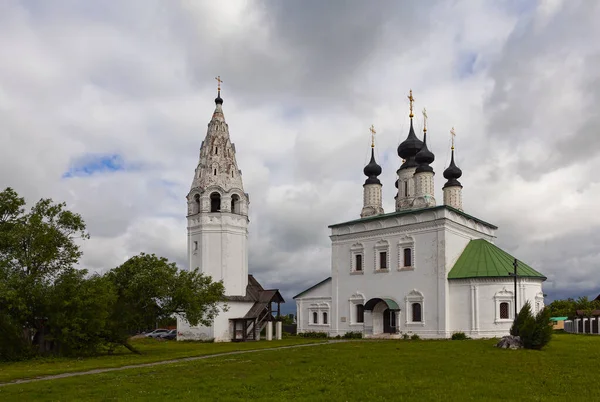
(90, 164)
(466, 64)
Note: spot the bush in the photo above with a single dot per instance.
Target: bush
(415, 337)
(405, 336)
(314, 334)
(535, 331)
(353, 335)
(459, 336)
(523, 315)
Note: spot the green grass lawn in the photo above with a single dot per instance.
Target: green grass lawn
(353, 371)
(152, 351)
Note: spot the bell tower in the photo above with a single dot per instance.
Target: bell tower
(217, 214)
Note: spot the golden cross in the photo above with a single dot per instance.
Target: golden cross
(373, 132)
(411, 99)
(424, 120)
(453, 134)
(218, 78)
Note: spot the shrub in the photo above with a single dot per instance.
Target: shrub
(405, 336)
(313, 334)
(415, 337)
(459, 336)
(535, 331)
(523, 315)
(353, 335)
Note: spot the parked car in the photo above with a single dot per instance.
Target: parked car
(156, 333)
(172, 334)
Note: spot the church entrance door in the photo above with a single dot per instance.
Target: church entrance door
(389, 321)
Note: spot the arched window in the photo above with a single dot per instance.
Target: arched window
(407, 257)
(504, 310)
(360, 313)
(215, 202)
(324, 317)
(315, 318)
(216, 150)
(406, 189)
(235, 204)
(215, 172)
(416, 312)
(197, 203)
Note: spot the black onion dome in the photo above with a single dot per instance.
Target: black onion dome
(372, 170)
(218, 99)
(411, 145)
(424, 158)
(452, 173)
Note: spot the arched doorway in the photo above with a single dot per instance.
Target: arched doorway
(215, 202)
(383, 315)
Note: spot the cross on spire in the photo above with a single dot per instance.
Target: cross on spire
(424, 120)
(373, 132)
(218, 78)
(453, 134)
(411, 100)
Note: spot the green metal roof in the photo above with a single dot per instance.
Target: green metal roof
(482, 259)
(412, 212)
(392, 305)
(312, 287)
(558, 318)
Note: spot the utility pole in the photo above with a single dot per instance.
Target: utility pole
(514, 275)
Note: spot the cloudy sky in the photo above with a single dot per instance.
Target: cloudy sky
(104, 105)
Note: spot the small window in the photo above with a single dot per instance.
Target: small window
(215, 202)
(383, 260)
(215, 172)
(315, 318)
(360, 313)
(416, 312)
(359, 265)
(232, 173)
(324, 318)
(195, 245)
(504, 311)
(216, 151)
(406, 189)
(408, 257)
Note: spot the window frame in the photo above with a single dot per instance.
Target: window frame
(406, 243)
(504, 296)
(357, 249)
(382, 246)
(353, 302)
(415, 296)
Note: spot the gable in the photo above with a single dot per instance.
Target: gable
(482, 259)
(319, 290)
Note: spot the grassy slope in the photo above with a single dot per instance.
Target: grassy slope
(354, 371)
(152, 351)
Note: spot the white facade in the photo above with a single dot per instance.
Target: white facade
(217, 217)
(435, 238)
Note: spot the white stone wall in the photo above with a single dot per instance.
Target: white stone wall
(316, 300)
(405, 182)
(475, 304)
(371, 200)
(453, 197)
(220, 331)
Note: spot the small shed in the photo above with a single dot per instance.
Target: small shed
(558, 322)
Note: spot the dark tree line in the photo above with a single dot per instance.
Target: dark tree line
(47, 306)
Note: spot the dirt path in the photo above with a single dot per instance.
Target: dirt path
(183, 359)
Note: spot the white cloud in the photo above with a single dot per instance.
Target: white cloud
(301, 87)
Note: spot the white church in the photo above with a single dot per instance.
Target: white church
(424, 269)
(217, 233)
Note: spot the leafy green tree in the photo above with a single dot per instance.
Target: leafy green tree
(78, 311)
(151, 289)
(35, 248)
(535, 331)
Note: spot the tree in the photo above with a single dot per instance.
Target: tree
(151, 289)
(523, 315)
(35, 248)
(535, 331)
